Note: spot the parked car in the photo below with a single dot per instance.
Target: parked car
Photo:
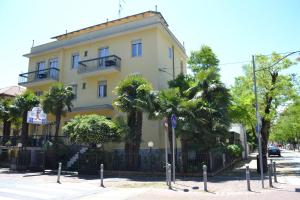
(272, 150)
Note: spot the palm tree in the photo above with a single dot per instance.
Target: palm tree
(20, 106)
(5, 116)
(57, 101)
(133, 98)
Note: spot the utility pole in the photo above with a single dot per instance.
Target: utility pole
(257, 129)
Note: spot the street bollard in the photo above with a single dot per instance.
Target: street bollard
(270, 175)
(101, 175)
(169, 176)
(205, 177)
(274, 172)
(59, 172)
(248, 178)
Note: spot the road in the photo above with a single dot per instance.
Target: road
(35, 186)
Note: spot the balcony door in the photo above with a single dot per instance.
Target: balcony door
(42, 73)
(103, 54)
(53, 65)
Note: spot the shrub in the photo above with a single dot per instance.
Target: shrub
(91, 129)
(235, 150)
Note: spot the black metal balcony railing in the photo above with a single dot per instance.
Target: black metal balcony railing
(99, 64)
(39, 75)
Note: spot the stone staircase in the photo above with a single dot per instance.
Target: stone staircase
(76, 156)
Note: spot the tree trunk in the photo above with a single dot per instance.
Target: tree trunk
(6, 130)
(24, 134)
(266, 123)
(57, 125)
(137, 139)
(132, 144)
(128, 142)
(184, 153)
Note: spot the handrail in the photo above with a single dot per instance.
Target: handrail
(32, 72)
(99, 63)
(39, 75)
(99, 58)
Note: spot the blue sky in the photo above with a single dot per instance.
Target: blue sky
(234, 29)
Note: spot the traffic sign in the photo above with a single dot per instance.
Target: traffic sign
(173, 120)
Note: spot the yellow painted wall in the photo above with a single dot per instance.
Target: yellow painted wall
(155, 45)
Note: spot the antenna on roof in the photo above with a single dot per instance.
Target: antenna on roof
(106, 20)
(120, 7)
(32, 43)
(155, 8)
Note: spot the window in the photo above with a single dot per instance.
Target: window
(85, 53)
(136, 48)
(38, 93)
(53, 63)
(75, 60)
(74, 90)
(170, 52)
(102, 89)
(83, 86)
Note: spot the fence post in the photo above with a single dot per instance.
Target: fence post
(270, 175)
(248, 178)
(205, 177)
(224, 160)
(169, 176)
(59, 173)
(101, 175)
(274, 172)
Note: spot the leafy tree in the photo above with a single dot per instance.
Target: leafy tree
(91, 129)
(241, 109)
(5, 116)
(57, 101)
(273, 89)
(286, 127)
(134, 98)
(200, 103)
(20, 106)
(203, 59)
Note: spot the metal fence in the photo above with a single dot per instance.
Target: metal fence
(89, 162)
(32, 141)
(22, 159)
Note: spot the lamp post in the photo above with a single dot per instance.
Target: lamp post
(258, 133)
(150, 145)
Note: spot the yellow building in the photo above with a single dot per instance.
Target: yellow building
(93, 60)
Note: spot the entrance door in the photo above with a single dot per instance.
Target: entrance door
(103, 54)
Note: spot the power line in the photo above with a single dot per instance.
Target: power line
(233, 63)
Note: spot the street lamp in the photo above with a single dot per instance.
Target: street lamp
(150, 145)
(258, 121)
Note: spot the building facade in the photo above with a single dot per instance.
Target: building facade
(95, 59)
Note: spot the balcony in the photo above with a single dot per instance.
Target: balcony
(39, 77)
(102, 65)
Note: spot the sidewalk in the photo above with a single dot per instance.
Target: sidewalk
(231, 184)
